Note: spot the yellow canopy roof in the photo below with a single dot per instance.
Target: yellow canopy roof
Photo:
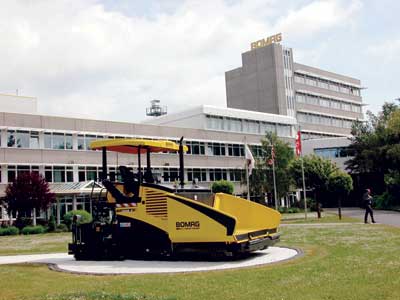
(132, 145)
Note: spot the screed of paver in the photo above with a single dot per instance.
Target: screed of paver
(65, 262)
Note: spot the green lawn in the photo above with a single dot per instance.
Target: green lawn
(39, 243)
(353, 261)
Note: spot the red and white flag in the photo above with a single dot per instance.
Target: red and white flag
(249, 159)
(272, 160)
(298, 143)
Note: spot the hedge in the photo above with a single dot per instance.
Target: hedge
(33, 229)
(85, 217)
(12, 230)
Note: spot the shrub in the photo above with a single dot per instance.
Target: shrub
(85, 217)
(383, 201)
(33, 229)
(52, 223)
(61, 228)
(222, 186)
(12, 230)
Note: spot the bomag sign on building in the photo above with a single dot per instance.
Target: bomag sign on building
(267, 41)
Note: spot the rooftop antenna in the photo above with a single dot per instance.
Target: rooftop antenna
(155, 109)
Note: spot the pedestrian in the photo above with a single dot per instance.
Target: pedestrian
(367, 198)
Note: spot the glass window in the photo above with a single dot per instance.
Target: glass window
(11, 173)
(345, 89)
(68, 141)
(218, 174)
(91, 173)
(34, 140)
(10, 138)
(236, 175)
(47, 140)
(58, 141)
(48, 174)
(311, 81)
(234, 124)
(323, 83)
(299, 79)
(81, 174)
(324, 102)
(214, 122)
(81, 142)
(334, 86)
(335, 104)
(300, 98)
(89, 138)
(23, 138)
(197, 174)
(356, 108)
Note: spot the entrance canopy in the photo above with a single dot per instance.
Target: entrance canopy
(133, 145)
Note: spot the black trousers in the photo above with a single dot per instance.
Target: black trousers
(368, 210)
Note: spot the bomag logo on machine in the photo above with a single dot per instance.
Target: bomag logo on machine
(189, 225)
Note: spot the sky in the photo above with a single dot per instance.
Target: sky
(106, 59)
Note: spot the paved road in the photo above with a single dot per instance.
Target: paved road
(381, 216)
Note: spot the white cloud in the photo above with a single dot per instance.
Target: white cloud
(82, 59)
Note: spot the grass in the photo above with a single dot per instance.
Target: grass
(298, 218)
(38, 243)
(353, 261)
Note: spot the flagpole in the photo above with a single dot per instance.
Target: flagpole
(273, 175)
(302, 174)
(248, 181)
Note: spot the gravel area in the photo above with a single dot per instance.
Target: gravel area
(65, 262)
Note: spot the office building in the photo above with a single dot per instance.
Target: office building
(324, 103)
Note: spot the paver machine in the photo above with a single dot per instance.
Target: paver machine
(137, 216)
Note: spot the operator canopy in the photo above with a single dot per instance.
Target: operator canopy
(132, 145)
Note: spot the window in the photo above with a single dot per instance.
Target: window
(313, 100)
(337, 122)
(356, 108)
(84, 140)
(335, 104)
(34, 140)
(299, 79)
(18, 138)
(347, 123)
(324, 102)
(218, 174)
(234, 124)
(57, 141)
(257, 150)
(196, 148)
(170, 174)
(346, 106)
(59, 174)
(197, 174)
(300, 98)
(311, 81)
(250, 126)
(267, 127)
(214, 122)
(323, 84)
(215, 149)
(344, 89)
(236, 175)
(235, 150)
(334, 87)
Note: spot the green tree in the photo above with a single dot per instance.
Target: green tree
(261, 180)
(317, 171)
(376, 146)
(222, 186)
(340, 184)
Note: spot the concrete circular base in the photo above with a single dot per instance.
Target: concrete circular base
(65, 262)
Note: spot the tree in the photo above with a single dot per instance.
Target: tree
(261, 180)
(28, 192)
(376, 146)
(222, 186)
(340, 183)
(317, 171)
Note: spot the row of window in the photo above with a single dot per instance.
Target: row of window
(30, 139)
(247, 126)
(61, 174)
(323, 120)
(326, 84)
(326, 102)
(334, 152)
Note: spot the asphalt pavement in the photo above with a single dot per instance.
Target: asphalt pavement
(381, 216)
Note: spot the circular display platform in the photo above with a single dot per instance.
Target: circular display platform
(66, 263)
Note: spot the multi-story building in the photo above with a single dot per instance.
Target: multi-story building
(324, 103)
(58, 148)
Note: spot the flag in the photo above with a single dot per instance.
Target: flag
(298, 143)
(272, 159)
(249, 159)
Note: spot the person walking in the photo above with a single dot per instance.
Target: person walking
(367, 198)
